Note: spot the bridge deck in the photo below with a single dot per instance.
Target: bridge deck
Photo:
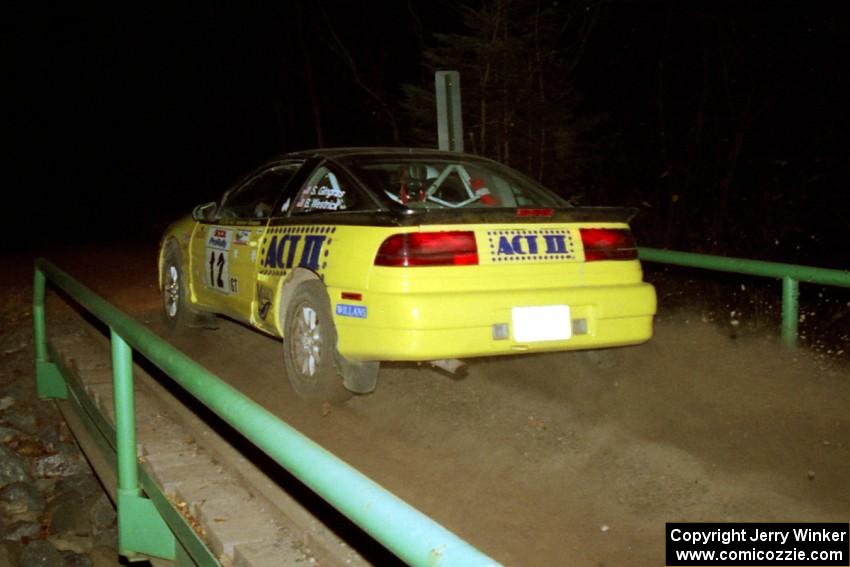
(245, 519)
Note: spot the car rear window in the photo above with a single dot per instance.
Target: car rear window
(421, 183)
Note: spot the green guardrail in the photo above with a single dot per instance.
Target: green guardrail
(790, 274)
(408, 533)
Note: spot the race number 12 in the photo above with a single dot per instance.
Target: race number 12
(218, 270)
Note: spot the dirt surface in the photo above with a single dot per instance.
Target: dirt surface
(569, 458)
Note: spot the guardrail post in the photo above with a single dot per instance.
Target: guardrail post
(790, 311)
(140, 527)
(125, 412)
(49, 382)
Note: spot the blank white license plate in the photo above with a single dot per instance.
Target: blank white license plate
(545, 323)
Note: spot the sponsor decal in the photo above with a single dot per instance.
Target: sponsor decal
(234, 285)
(219, 238)
(264, 301)
(241, 237)
(263, 310)
(285, 248)
(282, 251)
(346, 310)
(530, 244)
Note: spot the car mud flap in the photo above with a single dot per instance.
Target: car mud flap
(450, 367)
(358, 377)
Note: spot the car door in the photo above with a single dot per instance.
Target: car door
(226, 249)
(319, 200)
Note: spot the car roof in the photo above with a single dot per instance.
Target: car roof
(375, 151)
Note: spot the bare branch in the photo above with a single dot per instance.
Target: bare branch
(355, 74)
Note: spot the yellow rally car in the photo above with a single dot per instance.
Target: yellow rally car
(356, 256)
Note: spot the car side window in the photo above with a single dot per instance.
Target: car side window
(255, 198)
(326, 191)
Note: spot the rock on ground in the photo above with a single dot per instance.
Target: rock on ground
(53, 510)
(40, 553)
(13, 467)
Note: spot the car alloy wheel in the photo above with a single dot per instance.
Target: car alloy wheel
(307, 341)
(309, 345)
(177, 310)
(171, 291)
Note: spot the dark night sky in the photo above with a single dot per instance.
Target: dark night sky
(138, 113)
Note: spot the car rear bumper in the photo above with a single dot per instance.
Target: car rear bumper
(419, 327)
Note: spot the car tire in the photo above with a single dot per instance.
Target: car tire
(309, 345)
(176, 309)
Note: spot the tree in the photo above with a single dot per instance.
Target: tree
(516, 60)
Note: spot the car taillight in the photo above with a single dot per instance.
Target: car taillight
(456, 248)
(608, 244)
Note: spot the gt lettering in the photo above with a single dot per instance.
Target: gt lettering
(555, 243)
(312, 248)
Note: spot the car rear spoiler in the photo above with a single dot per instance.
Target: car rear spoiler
(411, 217)
(519, 215)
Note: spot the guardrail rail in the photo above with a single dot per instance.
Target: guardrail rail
(790, 274)
(148, 524)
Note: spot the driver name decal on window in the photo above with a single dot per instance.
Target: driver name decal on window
(322, 198)
(323, 193)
